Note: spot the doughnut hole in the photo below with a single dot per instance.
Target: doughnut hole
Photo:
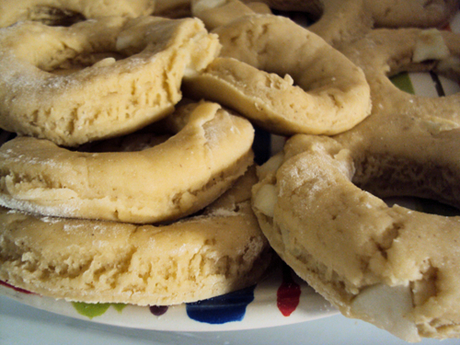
(54, 16)
(432, 70)
(81, 61)
(428, 65)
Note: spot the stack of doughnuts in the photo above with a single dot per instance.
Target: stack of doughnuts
(116, 189)
(186, 214)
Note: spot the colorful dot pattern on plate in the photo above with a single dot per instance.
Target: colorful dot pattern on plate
(221, 309)
(230, 307)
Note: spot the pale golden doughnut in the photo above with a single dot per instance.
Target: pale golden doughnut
(55, 11)
(346, 242)
(390, 266)
(338, 21)
(409, 128)
(164, 182)
(215, 253)
(122, 75)
(311, 89)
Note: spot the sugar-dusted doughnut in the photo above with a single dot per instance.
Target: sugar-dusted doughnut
(219, 251)
(97, 78)
(412, 13)
(311, 89)
(173, 179)
(57, 11)
(391, 266)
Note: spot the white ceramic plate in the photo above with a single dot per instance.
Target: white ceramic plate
(280, 299)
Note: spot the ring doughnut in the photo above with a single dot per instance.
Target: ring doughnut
(161, 183)
(428, 125)
(55, 11)
(347, 243)
(95, 261)
(390, 266)
(330, 94)
(120, 93)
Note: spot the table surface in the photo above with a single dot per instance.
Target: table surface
(21, 324)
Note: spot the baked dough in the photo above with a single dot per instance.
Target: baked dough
(94, 261)
(417, 133)
(348, 244)
(313, 89)
(165, 182)
(336, 21)
(56, 11)
(390, 266)
(215, 13)
(98, 78)
(412, 13)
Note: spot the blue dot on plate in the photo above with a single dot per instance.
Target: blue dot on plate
(222, 309)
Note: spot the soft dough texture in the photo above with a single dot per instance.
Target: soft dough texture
(80, 260)
(164, 182)
(337, 21)
(418, 133)
(98, 78)
(55, 11)
(412, 13)
(330, 94)
(390, 266)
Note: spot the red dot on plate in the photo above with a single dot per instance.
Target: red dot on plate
(288, 294)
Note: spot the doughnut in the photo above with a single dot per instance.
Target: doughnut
(413, 13)
(211, 149)
(391, 266)
(343, 21)
(91, 261)
(315, 206)
(321, 91)
(428, 125)
(98, 78)
(336, 21)
(55, 12)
